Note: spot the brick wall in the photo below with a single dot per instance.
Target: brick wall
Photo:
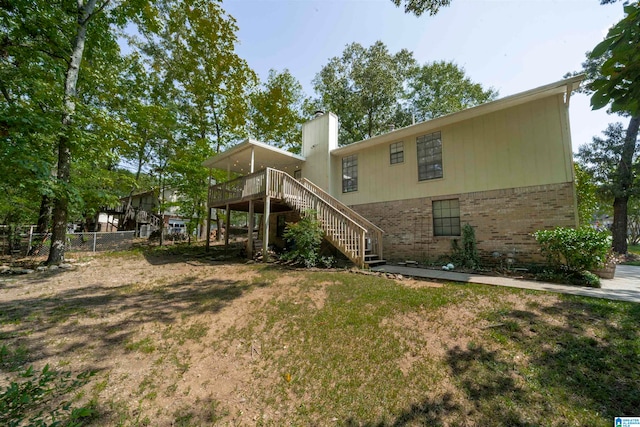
(503, 220)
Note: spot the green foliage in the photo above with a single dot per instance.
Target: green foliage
(600, 159)
(418, 7)
(576, 249)
(363, 87)
(618, 82)
(633, 222)
(371, 89)
(276, 111)
(586, 191)
(441, 87)
(306, 236)
(569, 277)
(467, 255)
(41, 399)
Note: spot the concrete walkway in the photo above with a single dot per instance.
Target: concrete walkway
(624, 287)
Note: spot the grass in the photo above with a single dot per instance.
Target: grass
(343, 359)
(633, 249)
(347, 349)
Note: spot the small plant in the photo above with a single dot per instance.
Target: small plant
(467, 254)
(576, 249)
(306, 237)
(327, 261)
(38, 399)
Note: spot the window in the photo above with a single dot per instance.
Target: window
(429, 156)
(446, 217)
(396, 153)
(349, 173)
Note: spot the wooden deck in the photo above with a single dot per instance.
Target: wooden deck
(271, 190)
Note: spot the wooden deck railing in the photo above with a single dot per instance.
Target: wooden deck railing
(344, 228)
(244, 188)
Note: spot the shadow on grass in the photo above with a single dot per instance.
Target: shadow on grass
(426, 413)
(124, 308)
(217, 253)
(581, 354)
(575, 362)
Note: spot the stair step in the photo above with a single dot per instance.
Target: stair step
(373, 263)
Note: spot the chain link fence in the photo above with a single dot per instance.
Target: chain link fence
(34, 244)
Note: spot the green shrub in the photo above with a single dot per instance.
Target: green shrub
(467, 255)
(306, 237)
(569, 277)
(576, 249)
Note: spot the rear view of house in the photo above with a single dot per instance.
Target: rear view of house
(504, 167)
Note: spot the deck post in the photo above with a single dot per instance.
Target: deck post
(250, 226)
(208, 244)
(227, 227)
(265, 239)
(362, 250)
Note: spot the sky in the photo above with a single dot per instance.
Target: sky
(510, 45)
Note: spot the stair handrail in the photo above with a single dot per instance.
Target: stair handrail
(295, 182)
(371, 228)
(339, 205)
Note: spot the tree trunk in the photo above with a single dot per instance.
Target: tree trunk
(44, 216)
(619, 228)
(61, 201)
(625, 184)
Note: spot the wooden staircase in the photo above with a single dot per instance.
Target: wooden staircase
(353, 235)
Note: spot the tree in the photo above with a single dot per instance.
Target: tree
(58, 32)
(371, 90)
(364, 87)
(586, 191)
(601, 160)
(50, 109)
(195, 54)
(441, 87)
(618, 84)
(418, 7)
(276, 111)
(634, 221)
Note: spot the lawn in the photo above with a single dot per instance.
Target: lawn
(635, 251)
(182, 339)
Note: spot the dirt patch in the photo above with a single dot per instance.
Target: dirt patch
(433, 334)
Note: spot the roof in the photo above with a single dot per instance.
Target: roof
(238, 158)
(565, 86)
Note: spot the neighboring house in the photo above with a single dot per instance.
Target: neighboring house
(140, 212)
(504, 167)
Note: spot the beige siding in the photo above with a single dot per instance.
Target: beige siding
(319, 137)
(521, 146)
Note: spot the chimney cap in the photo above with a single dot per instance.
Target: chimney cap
(318, 113)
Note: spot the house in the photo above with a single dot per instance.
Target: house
(140, 212)
(504, 167)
